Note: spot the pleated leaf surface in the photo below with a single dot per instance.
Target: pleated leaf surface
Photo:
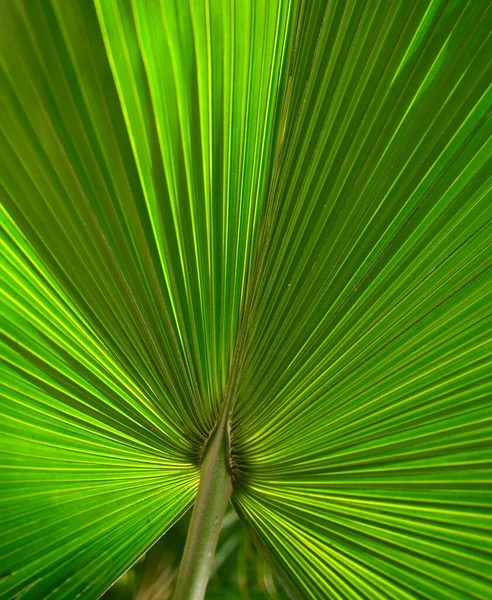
(286, 202)
(362, 423)
(131, 135)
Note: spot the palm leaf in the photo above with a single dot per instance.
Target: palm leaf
(285, 204)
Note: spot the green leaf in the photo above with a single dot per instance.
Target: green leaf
(286, 204)
(362, 423)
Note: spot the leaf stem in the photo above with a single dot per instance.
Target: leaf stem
(214, 490)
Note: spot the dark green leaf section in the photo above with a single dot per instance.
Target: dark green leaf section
(289, 201)
(362, 423)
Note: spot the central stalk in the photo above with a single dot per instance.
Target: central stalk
(214, 490)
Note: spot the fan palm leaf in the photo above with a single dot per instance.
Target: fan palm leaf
(278, 212)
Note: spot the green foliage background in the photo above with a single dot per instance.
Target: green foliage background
(288, 202)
